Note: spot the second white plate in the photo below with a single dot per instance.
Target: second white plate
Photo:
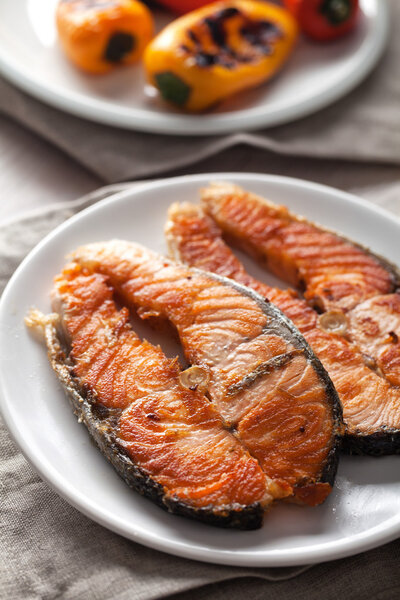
(316, 75)
(363, 510)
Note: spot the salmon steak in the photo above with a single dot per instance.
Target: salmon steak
(166, 440)
(332, 272)
(249, 361)
(355, 337)
(336, 275)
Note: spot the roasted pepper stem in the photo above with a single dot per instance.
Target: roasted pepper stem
(336, 11)
(172, 88)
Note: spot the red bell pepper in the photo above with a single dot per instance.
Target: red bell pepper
(324, 20)
(183, 6)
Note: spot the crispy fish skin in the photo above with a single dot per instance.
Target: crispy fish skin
(166, 441)
(195, 239)
(255, 358)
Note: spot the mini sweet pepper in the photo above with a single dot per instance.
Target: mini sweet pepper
(183, 6)
(324, 20)
(98, 35)
(218, 50)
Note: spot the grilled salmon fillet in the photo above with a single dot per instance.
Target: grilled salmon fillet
(374, 326)
(371, 406)
(167, 441)
(253, 365)
(334, 273)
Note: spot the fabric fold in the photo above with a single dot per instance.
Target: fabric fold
(336, 132)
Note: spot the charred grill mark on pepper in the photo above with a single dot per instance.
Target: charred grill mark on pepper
(259, 37)
(336, 12)
(193, 37)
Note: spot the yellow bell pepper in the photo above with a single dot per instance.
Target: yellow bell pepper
(98, 35)
(218, 50)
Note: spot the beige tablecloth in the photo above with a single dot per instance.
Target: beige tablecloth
(363, 126)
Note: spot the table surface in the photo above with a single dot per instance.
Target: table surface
(35, 174)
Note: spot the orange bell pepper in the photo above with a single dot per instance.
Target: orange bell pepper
(219, 50)
(97, 36)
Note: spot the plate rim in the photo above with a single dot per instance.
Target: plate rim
(322, 552)
(186, 125)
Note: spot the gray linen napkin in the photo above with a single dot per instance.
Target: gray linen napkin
(336, 132)
(49, 550)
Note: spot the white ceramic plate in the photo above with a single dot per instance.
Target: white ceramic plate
(362, 512)
(316, 76)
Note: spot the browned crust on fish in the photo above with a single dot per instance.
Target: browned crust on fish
(100, 423)
(193, 237)
(144, 291)
(286, 245)
(225, 187)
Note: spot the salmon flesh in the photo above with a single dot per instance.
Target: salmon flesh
(356, 336)
(254, 367)
(167, 441)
